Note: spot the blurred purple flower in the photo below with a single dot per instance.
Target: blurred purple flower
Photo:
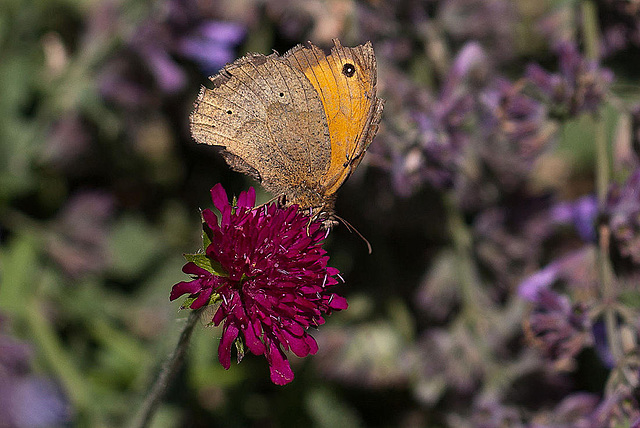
(211, 44)
(581, 213)
(619, 408)
(514, 116)
(435, 153)
(509, 239)
(489, 413)
(152, 42)
(580, 85)
(576, 269)
(531, 287)
(81, 229)
(620, 24)
(556, 325)
(442, 133)
(267, 268)
(27, 400)
(574, 411)
(561, 330)
(14, 355)
(516, 132)
(186, 30)
(623, 212)
(601, 344)
(120, 83)
(68, 141)
(556, 26)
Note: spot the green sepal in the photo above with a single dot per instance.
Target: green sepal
(234, 204)
(215, 298)
(240, 348)
(187, 302)
(206, 235)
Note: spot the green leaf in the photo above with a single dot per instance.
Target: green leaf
(19, 266)
(206, 263)
(200, 260)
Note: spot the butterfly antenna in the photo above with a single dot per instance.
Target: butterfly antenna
(351, 229)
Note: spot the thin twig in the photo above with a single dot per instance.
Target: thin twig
(165, 377)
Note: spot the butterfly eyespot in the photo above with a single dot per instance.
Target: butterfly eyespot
(229, 112)
(281, 94)
(348, 69)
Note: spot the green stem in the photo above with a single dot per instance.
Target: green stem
(603, 177)
(603, 170)
(166, 375)
(590, 29)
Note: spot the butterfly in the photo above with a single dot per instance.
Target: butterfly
(299, 123)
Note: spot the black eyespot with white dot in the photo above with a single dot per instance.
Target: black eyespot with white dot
(229, 112)
(348, 69)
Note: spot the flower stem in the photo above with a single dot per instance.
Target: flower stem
(590, 29)
(165, 377)
(603, 177)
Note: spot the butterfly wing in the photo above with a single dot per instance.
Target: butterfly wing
(271, 123)
(345, 81)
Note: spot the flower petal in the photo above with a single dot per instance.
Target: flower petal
(281, 373)
(247, 199)
(219, 197)
(229, 335)
(185, 287)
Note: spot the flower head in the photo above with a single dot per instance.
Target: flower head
(623, 209)
(557, 327)
(580, 86)
(433, 151)
(267, 270)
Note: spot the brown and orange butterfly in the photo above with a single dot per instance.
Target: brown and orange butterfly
(299, 123)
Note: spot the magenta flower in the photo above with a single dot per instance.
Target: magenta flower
(267, 270)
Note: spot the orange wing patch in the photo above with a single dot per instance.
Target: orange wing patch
(345, 82)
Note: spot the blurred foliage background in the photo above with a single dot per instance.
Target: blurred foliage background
(499, 197)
